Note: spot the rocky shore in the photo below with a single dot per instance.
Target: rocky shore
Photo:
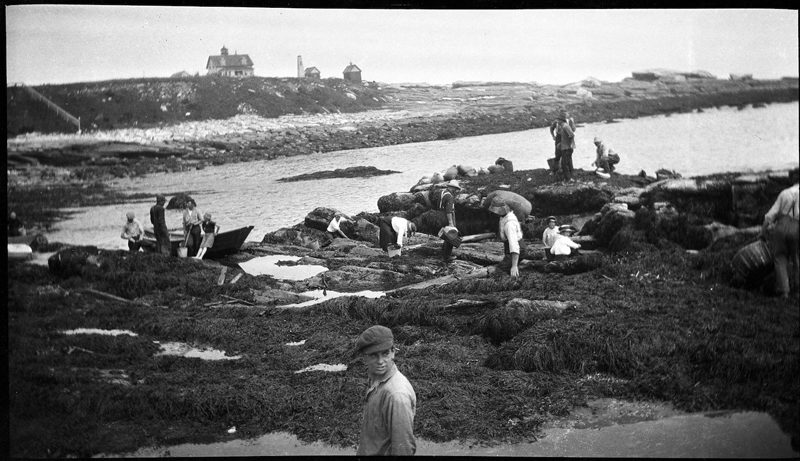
(647, 311)
(385, 115)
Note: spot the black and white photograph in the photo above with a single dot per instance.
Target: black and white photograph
(402, 230)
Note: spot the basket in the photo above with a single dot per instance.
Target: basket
(394, 252)
(752, 261)
(183, 252)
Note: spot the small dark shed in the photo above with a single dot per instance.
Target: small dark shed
(352, 73)
(312, 72)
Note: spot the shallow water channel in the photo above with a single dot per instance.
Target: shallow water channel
(242, 194)
(605, 428)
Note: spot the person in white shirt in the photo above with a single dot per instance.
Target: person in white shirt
(781, 228)
(132, 231)
(563, 245)
(510, 232)
(334, 228)
(393, 232)
(549, 236)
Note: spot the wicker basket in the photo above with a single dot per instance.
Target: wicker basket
(754, 260)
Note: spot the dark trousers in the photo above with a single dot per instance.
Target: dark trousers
(566, 163)
(162, 242)
(193, 244)
(134, 245)
(387, 235)
(784, 241)
(447, 250)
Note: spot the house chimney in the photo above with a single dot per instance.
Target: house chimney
(299, 66)
(223, 51)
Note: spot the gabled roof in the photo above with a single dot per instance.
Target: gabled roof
(310, 70)
(352, 68)
(231, 60)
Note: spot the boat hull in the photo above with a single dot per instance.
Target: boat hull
(225, 243)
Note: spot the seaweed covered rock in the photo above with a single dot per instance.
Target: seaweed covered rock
(558, 199)
(179, 201)
(504, 323)
(74, 260)
(396, 201)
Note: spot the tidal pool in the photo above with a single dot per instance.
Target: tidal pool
(98, 331)
(324, 295)
(594, 432)
(185, 350)
(268, 265)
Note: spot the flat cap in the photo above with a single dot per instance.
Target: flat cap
(374, 339)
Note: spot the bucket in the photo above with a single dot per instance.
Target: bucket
(183, 252)
(394, 252)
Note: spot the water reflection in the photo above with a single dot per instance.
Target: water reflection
(269, 265)
(324, 295)
(185, 350)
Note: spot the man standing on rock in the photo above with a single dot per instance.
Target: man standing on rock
(510, 232)
(781, 229)
(159, 221)
(566, 144)
(387, 426)
(555, 133)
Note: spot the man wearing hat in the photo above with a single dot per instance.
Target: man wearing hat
(387, 426)
(132, 232)
(555, 133)
(549, 236)
(159, 222)
(510, 232)
(442, 199)
(605, 156)
(563, 246)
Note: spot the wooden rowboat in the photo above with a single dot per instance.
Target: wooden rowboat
(19, 252)
(225, 243)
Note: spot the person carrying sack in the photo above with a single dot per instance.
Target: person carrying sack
(781, 230)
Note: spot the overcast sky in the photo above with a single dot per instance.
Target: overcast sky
(66, 43)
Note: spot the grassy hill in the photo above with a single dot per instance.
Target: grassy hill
(154, 101)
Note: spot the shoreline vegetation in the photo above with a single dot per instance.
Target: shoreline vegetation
(647, 311)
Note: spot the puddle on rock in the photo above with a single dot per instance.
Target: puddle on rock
(324, 295)
(298, 343)
(324, 367)
(269, 265)
(185, 350)
(98, 331)
(737, 435)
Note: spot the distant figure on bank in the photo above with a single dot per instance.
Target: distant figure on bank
(443, 199)
(566, 145)
(210, 230)
(15, 226)
(510, 232)
(132, 231)
(387, 426)
(191, 228)
(555, 133)
(781, 230)
(393, 232)
(159, 221)
(334, 229)
(606, 157)
(563, 245)
(549, 236)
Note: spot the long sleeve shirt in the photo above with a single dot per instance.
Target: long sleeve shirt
(132, 229)
(785, 205)
(158, 219)
(510, 231)
(191, 218)
(387, 427)
(400, 225)
(567, 136)
(563, 245)
(549, 236)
